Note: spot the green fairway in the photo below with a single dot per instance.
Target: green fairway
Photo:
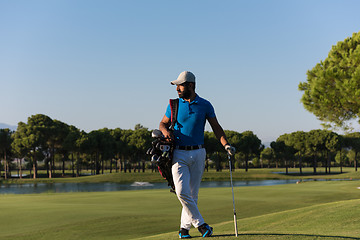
(313, 210)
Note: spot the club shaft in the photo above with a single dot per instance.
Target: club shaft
(232, 189)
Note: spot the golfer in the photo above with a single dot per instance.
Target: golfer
(189, 154)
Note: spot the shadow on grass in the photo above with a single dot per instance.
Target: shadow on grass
(283, 234)
(219, 236)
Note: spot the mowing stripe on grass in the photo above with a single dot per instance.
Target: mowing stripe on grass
(338, 220)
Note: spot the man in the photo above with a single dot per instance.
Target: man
(189, 154)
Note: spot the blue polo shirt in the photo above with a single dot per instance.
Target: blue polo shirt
(191, 119)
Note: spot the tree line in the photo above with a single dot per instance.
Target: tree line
(316, 148)
(49, 141)
(45, 140)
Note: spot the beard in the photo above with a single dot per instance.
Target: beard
(185, 94)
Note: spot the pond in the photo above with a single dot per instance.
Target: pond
(107, 187)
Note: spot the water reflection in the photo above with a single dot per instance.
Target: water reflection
(29, 188)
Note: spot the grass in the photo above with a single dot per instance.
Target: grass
(338, 220)
(211, 175)
(311, 210)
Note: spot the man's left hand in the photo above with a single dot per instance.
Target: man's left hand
(230, 149)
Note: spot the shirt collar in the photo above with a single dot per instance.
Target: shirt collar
(195, 101)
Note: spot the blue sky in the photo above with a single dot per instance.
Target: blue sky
(95, 64)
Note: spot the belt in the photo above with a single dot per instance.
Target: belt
(190, 147)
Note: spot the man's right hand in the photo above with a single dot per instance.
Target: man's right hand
(168, 135)
(164, 128)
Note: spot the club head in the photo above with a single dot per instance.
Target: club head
(164, 148)
(156, 133)
(148, 152)
(155, 158)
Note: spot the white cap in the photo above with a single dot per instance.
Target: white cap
(185, 76)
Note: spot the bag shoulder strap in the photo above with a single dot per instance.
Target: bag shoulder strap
(174, 105)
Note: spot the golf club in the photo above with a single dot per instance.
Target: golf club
(232, 188)
(156, 133)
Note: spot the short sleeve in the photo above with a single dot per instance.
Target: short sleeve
(210, 112)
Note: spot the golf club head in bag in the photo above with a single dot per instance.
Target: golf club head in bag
(156, 134)
(155, 158)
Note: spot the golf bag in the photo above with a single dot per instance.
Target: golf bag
(161, 154)
(162, 150)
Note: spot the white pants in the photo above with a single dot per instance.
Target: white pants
(188, 168)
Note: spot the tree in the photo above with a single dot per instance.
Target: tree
(249, 145)
(139, 142)
(5, 149)
(83, 148)
(19, 152)
(323, 145)
(315, 146)
(101, 146)
(107, 147)
(267, 155)
(278, 147)
(119, 147)
(124, 148)
(341, 158)
(56, 134)
(70, 145)
(352, 140)
(213, 149)
(333, 143)
(285, 148)
(332, 90)
(31, 138)
(297, 140)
